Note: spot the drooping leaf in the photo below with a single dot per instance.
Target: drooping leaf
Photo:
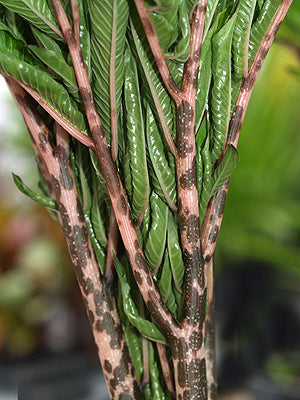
(225, 169)
(207, 180)
(221, 89)
(157, 387)
(145, 327)
(57, 63)
(240, 38)
(136, 146)
(14, 24)
(261, 25)
(154, 91)
(204, 78)
(85, 37)
(175, 253)
(156, 239)
(37, 197)
(37, 13)
(108, 25)
(165, 175)
(16, 61)
(181, 51)
(133, 340)
(165, 285)
(98, 249)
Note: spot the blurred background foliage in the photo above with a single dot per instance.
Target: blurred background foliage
(257, 258)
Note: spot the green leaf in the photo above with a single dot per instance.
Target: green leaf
(240, 38)
(175, 253)
(156, 240)
(37, 197)
(14, 25)
(145, 327)
(99, 211)
(204, 195)
(134, 343)
(221, 89)
(261, 25)
(165, 25)
(85, 37)
(204, 78)
(37, 13)
(225, 169)
(16, 61)
(165, 175)
(157, 388)
(155, 91)
(181, 49)
(165, 285)
(98, 249)
(136, 146)
(45, 41)
(58, 64)
(108, 26)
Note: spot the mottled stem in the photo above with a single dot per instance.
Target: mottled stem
(189, 367)
(101, 307)
(211, 370)
(214, 214)
(143, 277)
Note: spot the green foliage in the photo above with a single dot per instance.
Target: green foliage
(37, 197)
(124, 75)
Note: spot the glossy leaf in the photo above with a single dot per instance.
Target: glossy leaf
(16, 61)
(37, 197)
(99, 212)
(181, 50)
(106, 14)
(175, 253)
(157, 387)
(57, 63)
(134, 343)
(165, 175)
(221, 90)
(165, 285)
(225, 169)
(156, 239)
(261, 25)
(207, 180)
(145, 327)
(37, 13)
(204, 78)
(154, 91)
(136, 146)
(240, 38)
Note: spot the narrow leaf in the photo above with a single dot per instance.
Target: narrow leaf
(175, 253)
(136, 146)
(156, 240)
(225, 169)
(221, 90)
(36, 12)
(37, 197)
(145, 327)
(165, 175)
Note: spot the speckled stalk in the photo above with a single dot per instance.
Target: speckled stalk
(213, 218)
(152, 298)
(100, 305)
